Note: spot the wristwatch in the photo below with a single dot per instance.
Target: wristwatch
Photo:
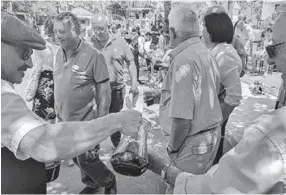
(164, 172)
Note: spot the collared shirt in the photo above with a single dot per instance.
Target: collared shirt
(115, 52)
(17, 119)
(190, 88)
(75, 82)
(257, 165)
(230, 66)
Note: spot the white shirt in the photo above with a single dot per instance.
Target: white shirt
(17, 119)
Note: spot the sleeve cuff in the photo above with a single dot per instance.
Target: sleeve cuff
(20, 134)
(232, 100)
(181, 182)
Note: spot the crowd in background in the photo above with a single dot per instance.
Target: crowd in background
(195, 70)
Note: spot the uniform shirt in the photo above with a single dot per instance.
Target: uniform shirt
(257, 165)
(230, 66)
(190, 88)
(115, 52)
(75, 82)
(17, 119)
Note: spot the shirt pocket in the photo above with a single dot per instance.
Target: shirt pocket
(80, 78)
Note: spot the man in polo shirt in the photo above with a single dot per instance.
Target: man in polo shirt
(189, 107)
(115, 51)
(27, 141)
(256, 165)
(82, 93)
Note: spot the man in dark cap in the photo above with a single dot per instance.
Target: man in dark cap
(27, 140)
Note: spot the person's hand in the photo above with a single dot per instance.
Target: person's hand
(153, 96)
(134, 90)
(130, 121)
(135, 95)
(242, 73)
(156, 163)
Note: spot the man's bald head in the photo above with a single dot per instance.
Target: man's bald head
(100, 20)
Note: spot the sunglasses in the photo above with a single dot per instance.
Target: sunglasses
(271, 49)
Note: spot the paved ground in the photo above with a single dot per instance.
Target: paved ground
(149, 183)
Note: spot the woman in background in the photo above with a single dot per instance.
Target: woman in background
(218, 35)
(40, 87)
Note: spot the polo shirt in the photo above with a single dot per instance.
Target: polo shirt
(75, 82)
(191, 87)
(20, 174)
(115, 52)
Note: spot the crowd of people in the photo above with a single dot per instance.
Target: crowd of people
(77, 88)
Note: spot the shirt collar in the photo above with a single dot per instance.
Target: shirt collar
(177, 50)
(76, 51)
(8, 83)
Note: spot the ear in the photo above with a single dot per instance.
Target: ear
(173, 32)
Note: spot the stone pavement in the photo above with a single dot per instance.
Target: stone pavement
(270, 82)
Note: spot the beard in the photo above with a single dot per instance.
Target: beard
(102, 37)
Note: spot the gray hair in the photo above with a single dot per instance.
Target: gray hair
(184, 20)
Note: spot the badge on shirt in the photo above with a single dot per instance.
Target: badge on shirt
(75, 68)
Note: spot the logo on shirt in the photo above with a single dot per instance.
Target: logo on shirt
(75, 68)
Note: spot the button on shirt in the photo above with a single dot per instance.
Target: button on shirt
(257, 165)
(75, 82)
(230, 66)
(115, 52)
(190, 88)
(17, 120)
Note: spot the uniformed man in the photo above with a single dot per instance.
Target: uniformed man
(27, 140)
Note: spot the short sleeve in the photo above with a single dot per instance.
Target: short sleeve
(100, 71)
(128, 55)
(230, 69)
(239, 46)
(182, 95)
(17, 121)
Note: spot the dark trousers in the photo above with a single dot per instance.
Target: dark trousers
(117, 100)
(220, 149)
(94, 173)
(136, 61)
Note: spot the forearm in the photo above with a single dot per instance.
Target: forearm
(226, 110)
(103, 97)
(133, 73)
(180, 130)
(156, 164)
(59, 141)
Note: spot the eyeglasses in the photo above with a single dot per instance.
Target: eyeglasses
(27, 54)
(271, 49)
(99, 30)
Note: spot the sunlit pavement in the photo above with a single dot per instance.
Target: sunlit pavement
(69, 181)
